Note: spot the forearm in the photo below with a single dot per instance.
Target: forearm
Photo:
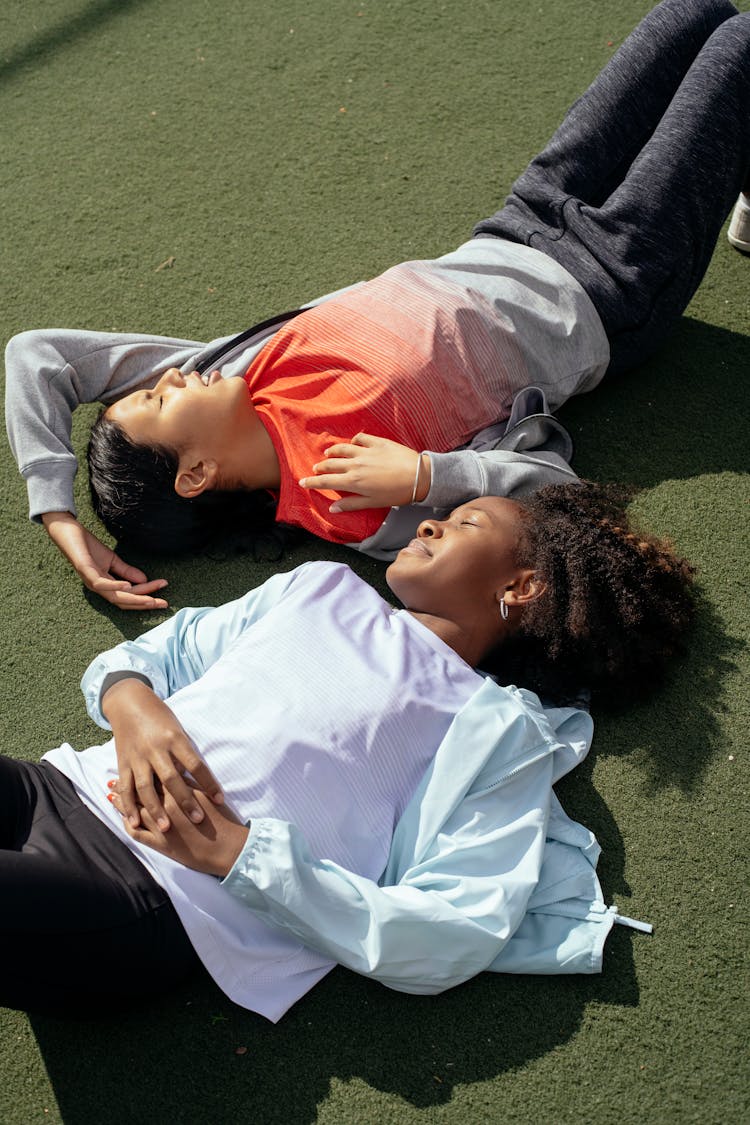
(459, 477)
(409, 937)
(163, 658)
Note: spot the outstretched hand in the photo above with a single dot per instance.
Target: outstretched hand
(100, 569)
(378, 473)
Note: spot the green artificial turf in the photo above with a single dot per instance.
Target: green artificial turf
(276, 152)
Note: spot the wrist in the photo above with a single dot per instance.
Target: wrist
(122, 691)
(50, 518)
(423, 479)
(235, 840)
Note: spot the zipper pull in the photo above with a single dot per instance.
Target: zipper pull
(632, 923)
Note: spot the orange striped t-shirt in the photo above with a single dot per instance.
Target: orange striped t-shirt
(407, 356)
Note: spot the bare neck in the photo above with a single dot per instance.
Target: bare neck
(472, 640)
(252, 462)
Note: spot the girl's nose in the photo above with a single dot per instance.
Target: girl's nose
(172, 378)
(430, 529)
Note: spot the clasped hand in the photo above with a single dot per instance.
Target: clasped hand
(165, 792)
(376, 472)
(155, 757)
(212, 846)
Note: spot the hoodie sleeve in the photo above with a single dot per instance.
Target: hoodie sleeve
(48, 375)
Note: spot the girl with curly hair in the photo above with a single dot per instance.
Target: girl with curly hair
(268, 818)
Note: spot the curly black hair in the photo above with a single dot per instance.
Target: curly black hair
(617, 602)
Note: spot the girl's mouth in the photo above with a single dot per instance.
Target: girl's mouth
(208, 378)
(418, 547)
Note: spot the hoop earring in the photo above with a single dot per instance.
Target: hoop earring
(504, 610)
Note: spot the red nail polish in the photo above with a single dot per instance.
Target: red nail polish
(110, 796)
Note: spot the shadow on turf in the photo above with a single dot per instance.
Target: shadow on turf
(677, 417)
(61, 35)
(178, 1061)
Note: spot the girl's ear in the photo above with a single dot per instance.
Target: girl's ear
(527, 587)
(191, 480)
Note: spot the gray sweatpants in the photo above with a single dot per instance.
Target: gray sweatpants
(631, 192)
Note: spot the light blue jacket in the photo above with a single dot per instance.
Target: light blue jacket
(486, 871)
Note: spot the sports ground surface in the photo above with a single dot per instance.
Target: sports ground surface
(270, 153)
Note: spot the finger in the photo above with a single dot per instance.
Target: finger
(149, 834)
(126, 599)
(334, 464)
(115, 799)
(123, 594)
(366, 439)
(227, 812)
(177, 817)
(332, 482)
(176, 787)
(123, 790)
(322, 481)
(133, 832)
(353, 504)
(202, 777)
(122, 569)
(149, 799)
(344, 449)
(151, 825)
(149, 587)
(101, 583)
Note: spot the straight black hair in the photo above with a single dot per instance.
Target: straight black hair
(133, 494)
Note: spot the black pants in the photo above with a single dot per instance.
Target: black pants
(82, 922)
(632, 190)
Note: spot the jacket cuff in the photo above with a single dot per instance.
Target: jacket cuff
(99, 676)
(455, 477)
(240, 880)
(50, 488)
